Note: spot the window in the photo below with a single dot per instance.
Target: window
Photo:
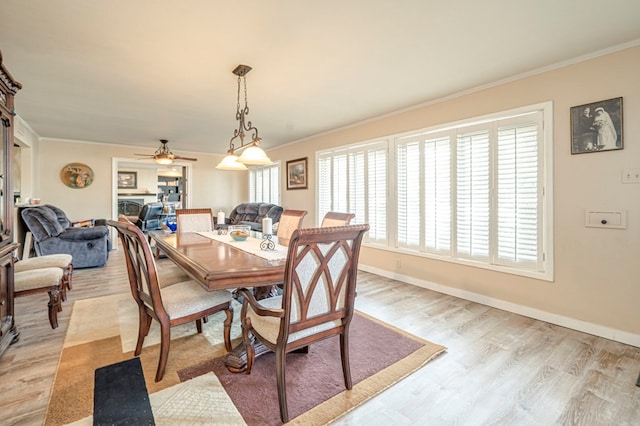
(476, 192)
(354, 179)
(264, 184)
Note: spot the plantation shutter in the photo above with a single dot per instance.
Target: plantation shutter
(408, 188)
(264, 184)
(518, 193)
(437, 194)
(377, 195)
(354, 180)
(325, 184)
(473, 192)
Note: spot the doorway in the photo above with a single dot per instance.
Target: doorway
(138, 182)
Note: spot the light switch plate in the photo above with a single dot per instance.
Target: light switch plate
(631, 176)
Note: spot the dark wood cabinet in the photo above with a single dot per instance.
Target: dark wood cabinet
(8, 89)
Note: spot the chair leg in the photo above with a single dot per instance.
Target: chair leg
(199, 325)
(54, 307)
(143, 329)
(344, 354)
(165, 340)
(248, 345)
(68, 273)
(227, 328)
(280, 377)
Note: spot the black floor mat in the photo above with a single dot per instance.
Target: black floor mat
(120, 395)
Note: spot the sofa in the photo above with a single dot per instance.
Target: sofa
(252, 214)
(54, 233)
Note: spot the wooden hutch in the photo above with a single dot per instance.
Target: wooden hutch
(8, 89)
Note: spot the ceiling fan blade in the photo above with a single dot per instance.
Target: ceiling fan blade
(177, 157)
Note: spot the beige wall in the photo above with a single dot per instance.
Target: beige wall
(597, 277)
(213, 188)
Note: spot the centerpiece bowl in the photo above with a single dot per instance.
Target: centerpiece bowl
(239, 232)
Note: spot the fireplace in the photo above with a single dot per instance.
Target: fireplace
(130, 206)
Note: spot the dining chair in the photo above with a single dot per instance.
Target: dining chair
(174, 305)
(194, 220)
(336, 219)
(290, 220)
(317, 300)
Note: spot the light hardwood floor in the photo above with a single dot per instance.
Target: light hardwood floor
(499, 369)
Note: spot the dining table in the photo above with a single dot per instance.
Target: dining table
(218, 262)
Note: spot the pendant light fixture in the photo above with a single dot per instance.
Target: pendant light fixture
(252, 154)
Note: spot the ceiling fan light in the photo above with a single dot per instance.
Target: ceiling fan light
(230, 162)
(254, 156)
(164, 160)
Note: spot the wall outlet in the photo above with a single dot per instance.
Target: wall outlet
(631, 176)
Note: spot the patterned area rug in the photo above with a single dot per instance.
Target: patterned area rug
(197, 388)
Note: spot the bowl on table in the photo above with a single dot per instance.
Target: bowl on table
(239, 232)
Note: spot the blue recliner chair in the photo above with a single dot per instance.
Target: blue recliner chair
(54, 233)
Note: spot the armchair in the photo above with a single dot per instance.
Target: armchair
(317, 301)
(54, 233)
(149, 217)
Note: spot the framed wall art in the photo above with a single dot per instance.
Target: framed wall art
(127, 180)
(597, 126)
(297, 174)
(76, 175)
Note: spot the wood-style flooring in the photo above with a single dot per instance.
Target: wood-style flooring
(500, 368)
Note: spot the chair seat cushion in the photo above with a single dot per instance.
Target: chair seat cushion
(37, 278)
(269, 327)
(188, 297)
(47, 261)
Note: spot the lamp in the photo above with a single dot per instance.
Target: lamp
(252, 155)
(163, 155)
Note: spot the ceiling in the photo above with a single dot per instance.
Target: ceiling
(135, 71)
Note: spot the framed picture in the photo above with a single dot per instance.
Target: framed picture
(127, 180)
(297, 174)
(597, 126)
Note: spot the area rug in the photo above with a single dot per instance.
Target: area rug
(197, 389)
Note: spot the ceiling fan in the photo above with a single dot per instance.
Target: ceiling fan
(163, 155)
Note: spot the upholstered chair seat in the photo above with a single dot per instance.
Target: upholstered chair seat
(188, 298)
(62, 261)
(42, 280)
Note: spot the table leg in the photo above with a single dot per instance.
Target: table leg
(236, 360)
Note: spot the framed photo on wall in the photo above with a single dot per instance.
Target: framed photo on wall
(597, 126)
(297, 174)
(127, 180)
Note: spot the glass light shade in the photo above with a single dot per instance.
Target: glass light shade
(165, 160)
(230, 162)
(254, 156)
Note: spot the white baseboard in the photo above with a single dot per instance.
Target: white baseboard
(563, 321)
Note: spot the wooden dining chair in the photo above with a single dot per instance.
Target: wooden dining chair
(290, 220)
(336, 219)
(173, 305)
(317, 300)
(194, 220)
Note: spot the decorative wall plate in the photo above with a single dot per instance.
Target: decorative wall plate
(76, 175)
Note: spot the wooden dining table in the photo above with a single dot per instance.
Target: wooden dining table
(218, 265)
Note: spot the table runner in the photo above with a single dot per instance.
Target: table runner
(250, 245)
